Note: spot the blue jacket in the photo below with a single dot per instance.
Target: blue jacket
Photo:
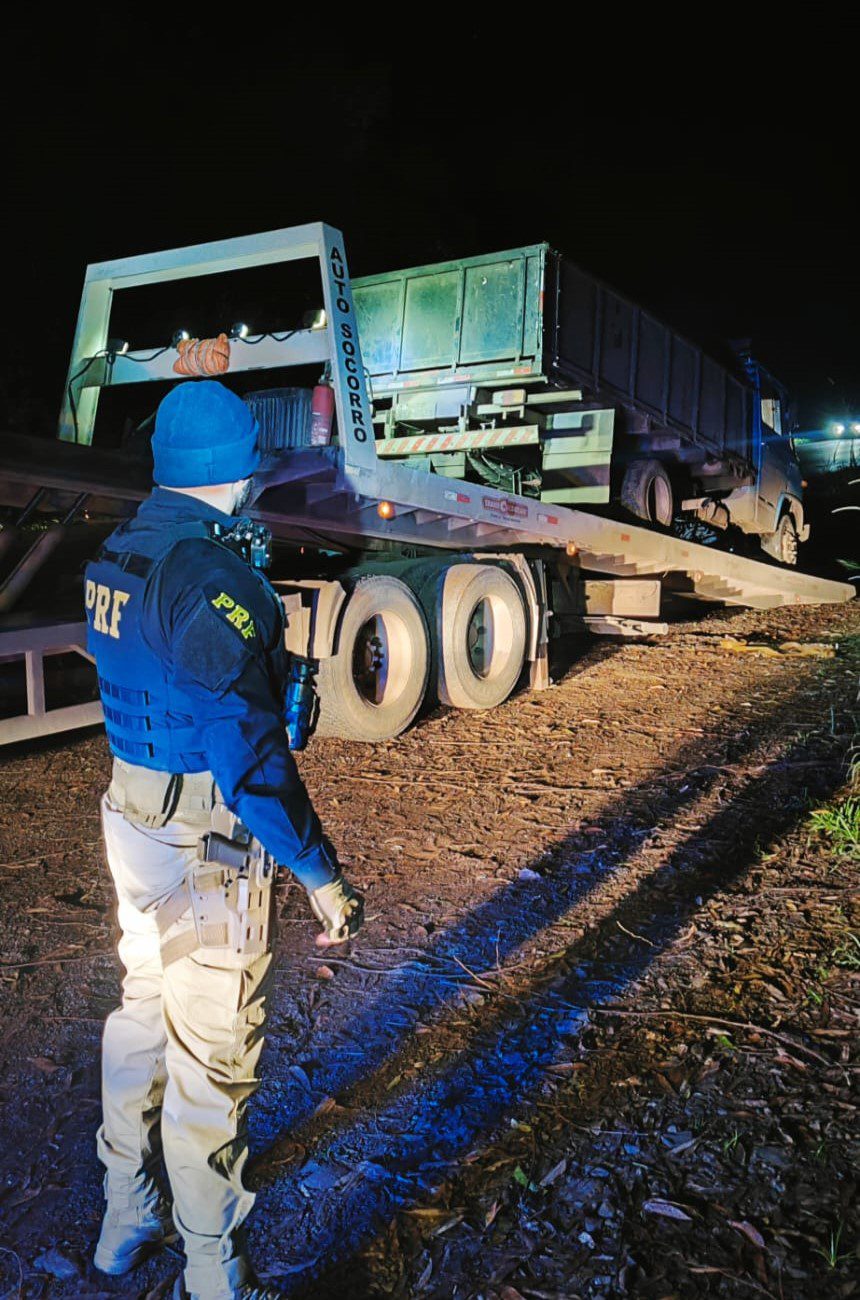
(188, 644)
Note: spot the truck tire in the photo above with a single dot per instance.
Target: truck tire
(646, 491)
(372, 688)
(782, 545)
(481, 633)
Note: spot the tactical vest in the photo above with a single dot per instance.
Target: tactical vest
(149, 719)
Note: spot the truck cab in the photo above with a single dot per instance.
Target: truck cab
(771, 506)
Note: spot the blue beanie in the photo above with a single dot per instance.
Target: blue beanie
(204, 434)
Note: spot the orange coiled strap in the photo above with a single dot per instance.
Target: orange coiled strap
(203, 356)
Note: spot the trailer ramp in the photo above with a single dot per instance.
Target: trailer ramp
(316, 494)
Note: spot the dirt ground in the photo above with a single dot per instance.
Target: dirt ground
(595, 1040)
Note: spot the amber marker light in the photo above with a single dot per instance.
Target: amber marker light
(385, 510)
(572, 549)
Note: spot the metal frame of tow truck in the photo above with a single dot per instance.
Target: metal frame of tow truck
(94, 367)
(34, 642)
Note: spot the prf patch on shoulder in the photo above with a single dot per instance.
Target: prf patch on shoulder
(235, 614)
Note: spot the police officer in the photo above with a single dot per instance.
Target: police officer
(205, 797)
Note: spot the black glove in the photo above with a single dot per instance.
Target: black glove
(338, 908)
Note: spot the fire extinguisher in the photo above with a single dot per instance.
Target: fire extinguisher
(322, 411)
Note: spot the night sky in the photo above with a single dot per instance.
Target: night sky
(725, 200)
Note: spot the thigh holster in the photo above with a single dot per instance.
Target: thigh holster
(229, 893)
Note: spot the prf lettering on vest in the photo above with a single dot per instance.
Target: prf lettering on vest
(235, 614)
(100, 599)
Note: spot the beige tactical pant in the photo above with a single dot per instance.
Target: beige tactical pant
(179, 1056)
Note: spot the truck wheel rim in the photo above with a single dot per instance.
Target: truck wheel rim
(380, 658)
(659, 500)
(489, 637)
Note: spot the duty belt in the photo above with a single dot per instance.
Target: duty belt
(154, 798)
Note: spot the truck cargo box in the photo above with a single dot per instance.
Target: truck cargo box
(530, 314)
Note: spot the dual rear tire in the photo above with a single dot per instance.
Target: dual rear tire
(460, 629)
(373, 687)
(480, 635)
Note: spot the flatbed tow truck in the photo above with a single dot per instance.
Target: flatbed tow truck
(413, 582)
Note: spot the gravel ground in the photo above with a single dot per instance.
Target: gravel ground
(596, 1037)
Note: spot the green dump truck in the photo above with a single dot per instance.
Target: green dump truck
(521, 371)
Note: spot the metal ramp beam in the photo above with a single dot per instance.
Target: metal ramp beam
(435, 512)
(32, 642)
